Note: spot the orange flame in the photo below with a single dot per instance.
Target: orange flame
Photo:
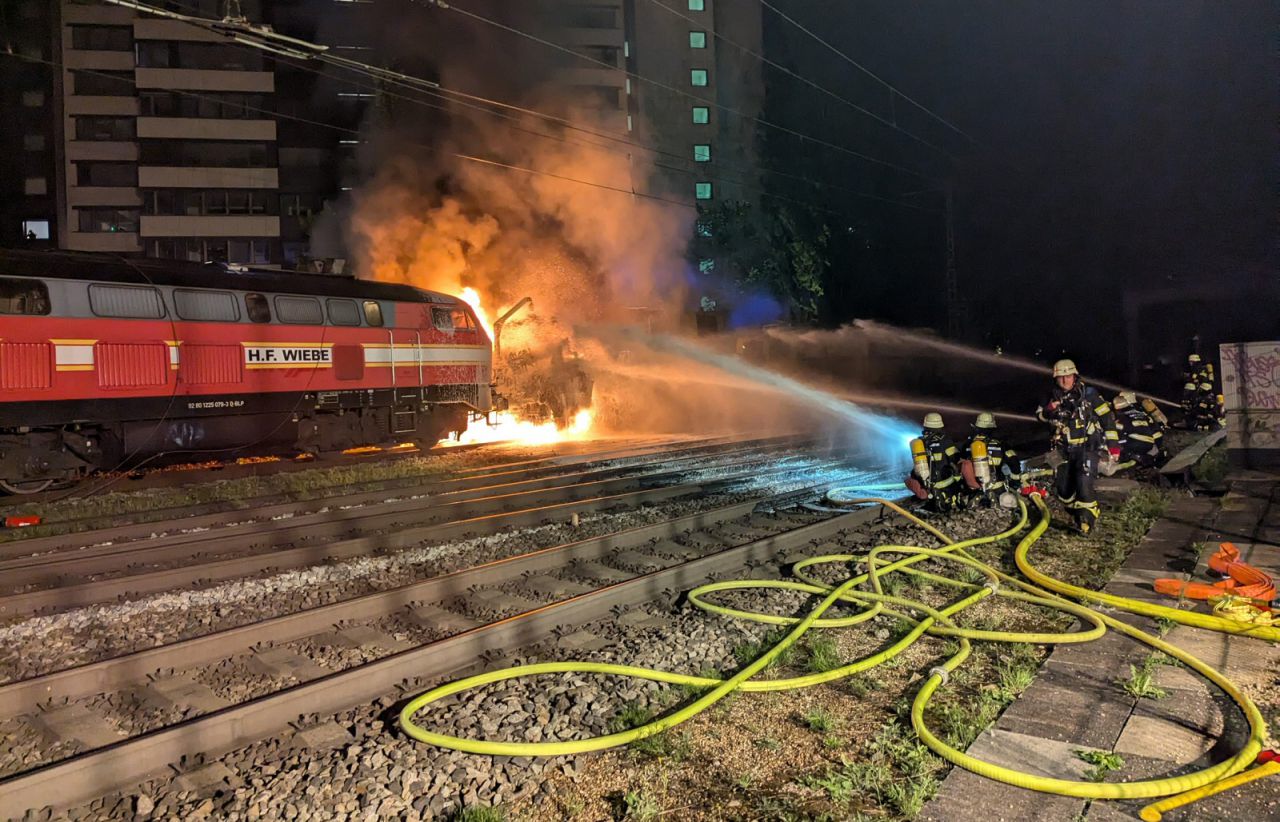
(472, 298)
(507, 426)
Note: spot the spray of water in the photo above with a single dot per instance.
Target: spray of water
(883, 437)
(888, 332)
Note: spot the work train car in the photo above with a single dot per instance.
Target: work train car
(104, 359)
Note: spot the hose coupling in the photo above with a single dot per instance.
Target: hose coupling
(993, 585)
(942, 673)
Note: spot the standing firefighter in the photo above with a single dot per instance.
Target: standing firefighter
(1141, 440)
(1199, 402)
(1084, 428)
(935, 470)
(989, 467)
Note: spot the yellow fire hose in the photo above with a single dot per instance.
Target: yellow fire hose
(936, 622)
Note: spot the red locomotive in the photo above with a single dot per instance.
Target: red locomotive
(103, 359)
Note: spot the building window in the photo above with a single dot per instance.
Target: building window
(102, 38)
(103, 84)
(593, 17)
(702, 228)
(702, 191)
(702, 154)
(701, 115)
(33, 99)
(698, 77)
(601, 54)
(35, 186)
(706, 266)
(697, 5)
(107, 220)
(119, 129)
(35, 229)
(630, 124)
(697, 39)
(33, 142)
(107, 174)
(227, 106)
(205, 153)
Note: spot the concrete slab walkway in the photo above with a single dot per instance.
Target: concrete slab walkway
(1076, 703)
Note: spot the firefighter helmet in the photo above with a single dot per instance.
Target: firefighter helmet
(1063, 368)
(985, 420)
(1193, 359)
(933, 420)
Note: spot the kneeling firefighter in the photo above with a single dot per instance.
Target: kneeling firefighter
(990, 467)
(1141, 440)
(935, 469)
(1084, 428)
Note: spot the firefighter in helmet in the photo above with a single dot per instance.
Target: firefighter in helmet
(1141, 440)
(1199, 402)
(1084, 429)
(989, 467)
(935, 471)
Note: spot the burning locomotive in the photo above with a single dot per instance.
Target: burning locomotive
(103, 360)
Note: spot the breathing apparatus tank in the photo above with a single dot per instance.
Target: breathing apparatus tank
(981, 463)
(920, 459)
(1149, 405)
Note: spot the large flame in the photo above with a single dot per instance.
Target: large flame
(472, 298)
(507, 427)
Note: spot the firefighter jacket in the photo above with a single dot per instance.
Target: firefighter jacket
(1138, 432)
(1082, 419)
(1003, 461)
(944, 461)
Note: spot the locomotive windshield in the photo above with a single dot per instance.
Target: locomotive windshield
(450, 320)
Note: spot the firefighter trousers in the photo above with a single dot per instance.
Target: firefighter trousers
(1075, 486)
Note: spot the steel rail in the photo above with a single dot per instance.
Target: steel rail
(86, 776)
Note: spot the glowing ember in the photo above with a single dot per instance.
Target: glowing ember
(472, 298)
(507, 427)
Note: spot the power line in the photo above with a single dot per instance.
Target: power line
(300, 50)
(776, 65)
(681, 92)
(865, 70)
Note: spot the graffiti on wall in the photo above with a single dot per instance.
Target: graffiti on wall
(1251, 376)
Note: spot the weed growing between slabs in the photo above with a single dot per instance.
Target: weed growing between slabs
(845, 749)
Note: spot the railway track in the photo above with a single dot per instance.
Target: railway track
(56, 579)
(98, 728)
(564, 456)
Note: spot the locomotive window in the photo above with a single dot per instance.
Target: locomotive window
(299, 310)
(462, 320)
(258, 308)
(442, 319)
(343, 312)
(23, 296)
(205, 306)
(372, 313)
(133, 301)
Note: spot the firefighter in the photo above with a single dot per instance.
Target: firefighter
(1141, 440)
(1084, 428)
(989, 467)
(1199, 401)
(935, 471)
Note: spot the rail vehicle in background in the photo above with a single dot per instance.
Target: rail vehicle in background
(104, 360)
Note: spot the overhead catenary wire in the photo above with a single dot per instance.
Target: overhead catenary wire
(892, 89)
(673, 89)
(797, 76)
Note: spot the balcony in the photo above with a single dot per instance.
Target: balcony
(105, 106)
(102, 150)
(98, 60)
(192, 177)
(96, 15)
(102, 196)
(255, 225)
(204, 80)
(199, 128)
(118, 242)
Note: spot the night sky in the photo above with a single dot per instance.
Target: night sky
(1119, 144)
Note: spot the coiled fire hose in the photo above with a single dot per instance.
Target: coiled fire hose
(934, 621)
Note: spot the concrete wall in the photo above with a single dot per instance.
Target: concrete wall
(1251, 395)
